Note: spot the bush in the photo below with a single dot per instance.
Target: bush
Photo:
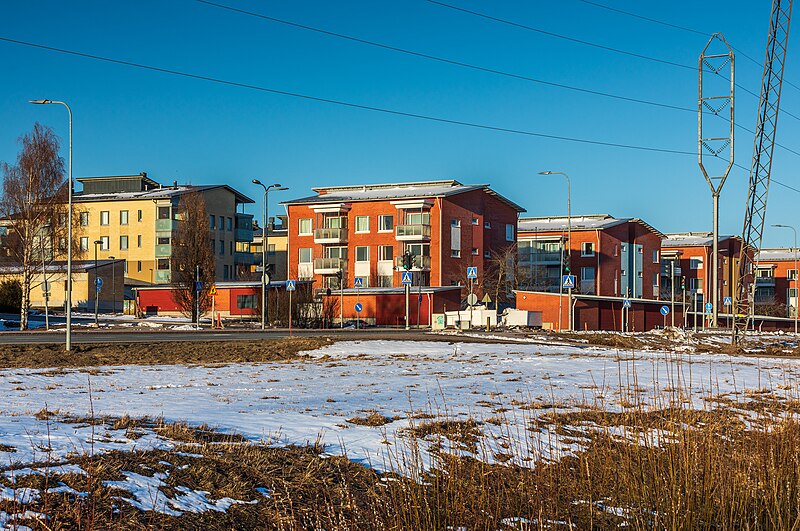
(10, 296)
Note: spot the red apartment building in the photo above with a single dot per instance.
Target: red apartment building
(688, 255)
(612, 259)
(364, 230)
(776, 282)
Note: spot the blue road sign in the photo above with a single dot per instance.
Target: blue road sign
(472, 272)
(568, 281)
(407, 279)
(626, 303)
(359, 307)
(727, 301)
(709, 307)
(358, 283)
(98, 282)
(198, 286)
(664, 310)
(290, 285)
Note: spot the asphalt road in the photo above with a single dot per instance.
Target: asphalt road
(149, 336)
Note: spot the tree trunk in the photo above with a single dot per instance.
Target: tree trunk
(25, 306)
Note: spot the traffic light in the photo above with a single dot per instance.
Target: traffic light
(683, 283)
(269, 269)
(339, 275)
(408, 260)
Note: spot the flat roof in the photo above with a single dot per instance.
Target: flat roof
(579, 222)
(390, 191)
(777, 255)
(159, 193)
(693, 239)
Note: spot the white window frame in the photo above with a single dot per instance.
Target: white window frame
(382, 250)
(510, 232)
(123, 246)
(359, 219)
(791, 274)
(655, 257)
(104, 246)
(123, 217)
(585, 246)
(310, 255)
(358, 247)
(84, 243)
(104, 217)
(455, 253)
(381, 220)
(696, 263)
(300, 223)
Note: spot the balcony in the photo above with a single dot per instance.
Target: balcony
(243, 258)
(421, 263)
(540, 257)
(765, 281)
(335, 236)
(413, 232)
(329, 266)
(166, 225)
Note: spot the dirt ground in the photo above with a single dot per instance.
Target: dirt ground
(201, 352)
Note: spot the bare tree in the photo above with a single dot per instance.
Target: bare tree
(502, 274)
(192, 252)
(33, 207)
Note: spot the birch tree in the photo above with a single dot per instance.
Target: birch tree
(191, 249)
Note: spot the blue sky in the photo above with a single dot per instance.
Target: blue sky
(129, 120)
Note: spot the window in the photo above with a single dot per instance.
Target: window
(362, 223)
(655, 280)
(764, 273)
(696, 262)
(418, 218)
(211, 221)
(695, 283)
(123, 217)
(655, 257)
(226, 272)
(587, 249)
(305, 227)
(163, 212)
(138, 215)
(334, 222)
(791, 274)
(475, 221)
(455, 223)
(616, 250)
(163, 240)
(385, 281)
(305, 255)
(162, 264)
(62, 244)
(336, 252)
(475, 251)
(419, 249)
(487, 254)
(509, 232)
(385, 223)
(455, 253)
(792, 293)
(385, 253)
(84, 243)
(104, 217)
(362, 254)
(123, 243)
(230, 247)
(230, 224)
(587, 274)
(62, 220)
(487, 224)
(125, 267)
(104, 243)
(247, 302)
(139, 241)
(271, 249)
(139, 266)
(222, 247)
(84, 219)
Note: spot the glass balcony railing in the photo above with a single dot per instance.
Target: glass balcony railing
(413, 232)
(421, 263)
(330, 235)
(329, 265)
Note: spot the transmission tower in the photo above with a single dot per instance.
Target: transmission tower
(714, 137)
(766, 127)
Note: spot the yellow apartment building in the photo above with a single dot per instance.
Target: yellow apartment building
(277, 248)
(132, 218)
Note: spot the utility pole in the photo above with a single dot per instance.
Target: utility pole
(715, 137)
(672, 289)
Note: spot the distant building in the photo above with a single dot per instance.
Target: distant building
(609, 256)
(362, 231)
(135, 218)
(278, 244)
(776, 288)
(688, 256)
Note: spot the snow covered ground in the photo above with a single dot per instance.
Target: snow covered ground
(296, 402)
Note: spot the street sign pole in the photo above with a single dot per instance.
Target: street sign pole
(672, 290)
(408, 294)
(471, 282)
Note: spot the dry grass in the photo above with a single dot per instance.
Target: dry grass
(373, 419)
(209, 352)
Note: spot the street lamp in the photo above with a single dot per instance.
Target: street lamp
(69, 222)
(264, 244)
(96, 291)
(113, 287)
(796, 290)
(569, 245)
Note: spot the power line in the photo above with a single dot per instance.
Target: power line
(342, 102)
(459, 63)
(591, 44)
(679, 27)
(445, 60)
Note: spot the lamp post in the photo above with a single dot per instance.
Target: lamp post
(113, 286)
(96, 290)
(69, 222)
(569, 245)
(264, 245)
(796, 289)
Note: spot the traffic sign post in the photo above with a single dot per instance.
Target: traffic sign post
(290, 287)
(728, 302)
(406, 278)
(665, 312)
(626, 306)
(358, 283)
(568, 282)
(359, 307)
(472, 274)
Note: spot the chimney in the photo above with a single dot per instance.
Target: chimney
(175, 184)
(271, 225)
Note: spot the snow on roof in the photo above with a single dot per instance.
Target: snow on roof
(692, 239)
(558, 223)
(777, 255)
(10, 268)
(164, 192)
(411, 190)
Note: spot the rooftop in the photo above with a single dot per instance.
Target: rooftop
(692, 239)
(777, 255)
(132, 187)
(581, 222)
(410, 190)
